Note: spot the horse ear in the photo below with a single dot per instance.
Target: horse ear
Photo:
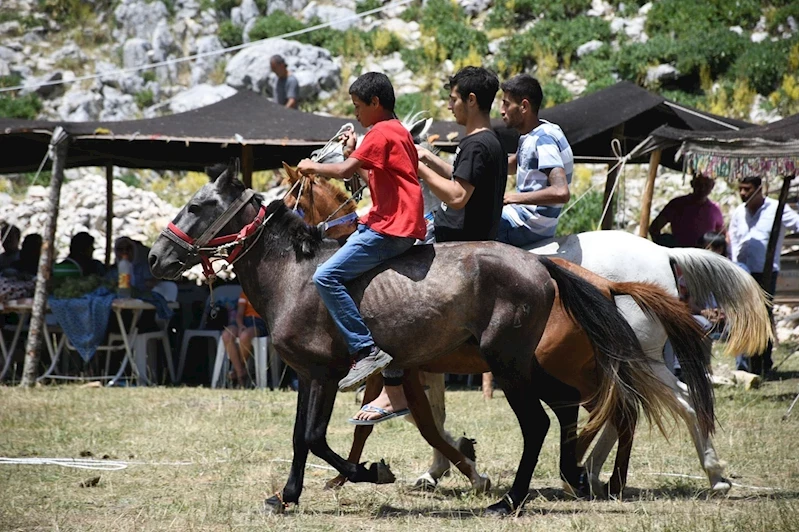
(419, 128)
(291, 172)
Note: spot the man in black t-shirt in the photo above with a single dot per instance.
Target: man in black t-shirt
(472, 191)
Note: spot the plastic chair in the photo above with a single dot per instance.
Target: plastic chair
(260, 346)
(220, 293)
(141, 348)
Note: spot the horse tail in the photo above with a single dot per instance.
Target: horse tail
(687, 338)
(627, 380)
(744, 303)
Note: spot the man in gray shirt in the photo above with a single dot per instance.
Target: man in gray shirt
(286, 90)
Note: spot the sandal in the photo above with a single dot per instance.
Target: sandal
(385, 415)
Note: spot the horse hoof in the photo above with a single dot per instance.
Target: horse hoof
(500, 509)
(596, 487)
(383, 474)
(466, 447)
(274, 506)
(482, 484)
(580, 489)
(425, 483)
(335, 483)
(721, 487)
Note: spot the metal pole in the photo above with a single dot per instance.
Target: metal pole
(59, 146)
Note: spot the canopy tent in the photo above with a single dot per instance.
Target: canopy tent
(245, 122)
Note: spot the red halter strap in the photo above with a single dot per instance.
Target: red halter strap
(207, 247)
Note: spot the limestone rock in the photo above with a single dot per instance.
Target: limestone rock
(199, 96)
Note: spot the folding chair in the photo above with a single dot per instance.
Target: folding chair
(142, 348)
(220, 293)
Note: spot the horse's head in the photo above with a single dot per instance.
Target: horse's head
(318, 198)
(223, 205)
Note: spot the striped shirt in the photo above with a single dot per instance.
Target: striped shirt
(545, 147)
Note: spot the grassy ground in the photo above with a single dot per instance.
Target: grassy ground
(205, 460)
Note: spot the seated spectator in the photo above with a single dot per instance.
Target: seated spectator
(248, 325)
(28, 262)
(79, 261)
(10, 235)
(690, 216)
(142, 279)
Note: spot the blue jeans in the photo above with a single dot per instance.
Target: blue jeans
(517, 236)
(365, 249)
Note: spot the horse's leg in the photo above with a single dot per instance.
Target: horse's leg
(626, 431)
(420, 409)
(278, 502)
(362, 432)
(599, 455)
(534, 423)
(440, 465)
(705, 450)
(565, 403)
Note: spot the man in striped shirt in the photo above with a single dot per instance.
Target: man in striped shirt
(543, 164)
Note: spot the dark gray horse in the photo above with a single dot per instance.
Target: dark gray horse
(419, 306)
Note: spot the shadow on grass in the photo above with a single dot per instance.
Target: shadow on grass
(782, 375)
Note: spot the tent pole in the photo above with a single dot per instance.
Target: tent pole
(649, 191)
(109, 212)
(246, 165)
(771, 249)
(60, 141)
(607, 198)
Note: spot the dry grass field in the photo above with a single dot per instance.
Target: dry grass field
(201, 459)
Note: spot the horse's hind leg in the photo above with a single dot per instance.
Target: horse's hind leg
(626, 431)
(534, 423)
(420, 409)
(440, 465)
(362, 432)
(599, 455)
(564, 402)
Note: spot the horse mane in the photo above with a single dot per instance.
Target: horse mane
(285, 224)
(339, 195)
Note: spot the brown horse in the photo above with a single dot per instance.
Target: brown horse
(419, 306)
(557, 355)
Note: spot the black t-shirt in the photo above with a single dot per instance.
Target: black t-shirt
(481, 161)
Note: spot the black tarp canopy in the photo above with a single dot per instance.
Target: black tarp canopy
(183, 141)
(624, 110)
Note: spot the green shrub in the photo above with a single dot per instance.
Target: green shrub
(229, 34)
(554, 94)
(367, 5)
(144, 98)
(695, 19)
(583, 216)
(418, 101)
(632, 60)
(514, 13)
(225, 6)
(779, 16)
(277, 23)
(12, 105)
(413, 58)
(148, 75)
(763, 64)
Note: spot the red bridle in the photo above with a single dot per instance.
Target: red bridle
(207, 246)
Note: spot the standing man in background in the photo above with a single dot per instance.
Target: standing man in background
(286, 90)
(750, 229)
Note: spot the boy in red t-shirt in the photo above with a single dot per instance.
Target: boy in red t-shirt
(391, 227)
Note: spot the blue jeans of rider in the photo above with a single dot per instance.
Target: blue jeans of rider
(365, 249)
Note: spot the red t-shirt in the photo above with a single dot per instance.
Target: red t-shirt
(387, 151)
